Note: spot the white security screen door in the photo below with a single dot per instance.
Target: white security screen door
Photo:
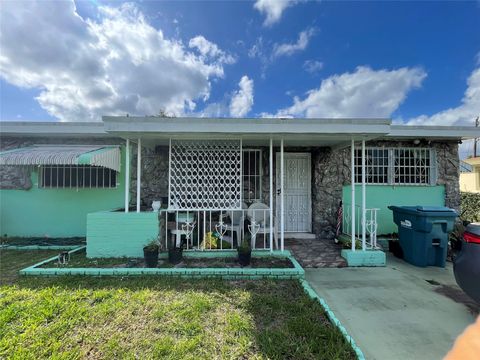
(297, 191)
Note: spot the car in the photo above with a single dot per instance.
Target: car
(466, 265)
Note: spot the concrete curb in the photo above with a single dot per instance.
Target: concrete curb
(333, 319)
(296, 272)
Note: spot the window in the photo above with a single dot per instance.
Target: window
(376, 169)
(76, 176)
(396, 166)
(252, 175)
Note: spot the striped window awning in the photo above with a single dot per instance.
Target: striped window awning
(107, 156)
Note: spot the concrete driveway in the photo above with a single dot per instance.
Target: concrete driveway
(399, 311)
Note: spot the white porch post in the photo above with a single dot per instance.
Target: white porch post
(139, 172)
(282, 220)
(127, 175)
(364, 200)
(353, 193)
(270, 171)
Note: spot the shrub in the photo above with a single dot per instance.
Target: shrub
(470, 205)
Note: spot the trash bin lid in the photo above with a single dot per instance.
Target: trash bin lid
(434, 209)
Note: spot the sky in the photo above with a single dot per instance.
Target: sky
(414, 62)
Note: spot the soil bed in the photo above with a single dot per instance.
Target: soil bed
(42, 241)
(79, 260)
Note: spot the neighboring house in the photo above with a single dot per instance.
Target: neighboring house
(470, 175)
(82, 179)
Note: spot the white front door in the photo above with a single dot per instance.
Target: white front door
(297, 192)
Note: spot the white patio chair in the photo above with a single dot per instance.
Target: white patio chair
(236, 223)
(259, 215)
(182, 218)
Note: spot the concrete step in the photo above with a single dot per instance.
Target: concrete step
(299, 235)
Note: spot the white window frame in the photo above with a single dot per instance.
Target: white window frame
(259, 176)
(393, 165)
(60, 182)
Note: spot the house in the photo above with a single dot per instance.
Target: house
(207, 175)
(470, 175)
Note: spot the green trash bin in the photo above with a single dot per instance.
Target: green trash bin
(423, 233)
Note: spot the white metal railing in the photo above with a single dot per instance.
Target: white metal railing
(216, 229)
(371, 224)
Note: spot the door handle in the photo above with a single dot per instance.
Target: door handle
(279, 191)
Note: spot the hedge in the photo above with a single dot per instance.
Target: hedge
(470, 206)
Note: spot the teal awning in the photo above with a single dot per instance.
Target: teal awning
(107, 156)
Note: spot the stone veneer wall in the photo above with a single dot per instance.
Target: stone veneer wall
(330, 172)
(154, 175)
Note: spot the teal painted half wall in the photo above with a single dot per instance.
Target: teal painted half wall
(55, 212)
(120, 234)
(382, 196)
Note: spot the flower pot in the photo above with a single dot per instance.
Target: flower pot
(151, 257)
(244, 257)
(175, 255)
(156, 205)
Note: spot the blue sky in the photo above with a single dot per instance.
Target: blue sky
(415, 62)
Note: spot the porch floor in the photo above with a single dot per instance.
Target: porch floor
(316, 253)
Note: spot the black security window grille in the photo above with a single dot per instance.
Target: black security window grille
(76, 176)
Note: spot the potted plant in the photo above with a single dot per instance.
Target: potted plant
(175, 253)
(150, 253)
(244, 252)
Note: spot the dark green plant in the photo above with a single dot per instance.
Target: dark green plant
(152, 245)
(245, 244)
(348, 244)
(470, 205)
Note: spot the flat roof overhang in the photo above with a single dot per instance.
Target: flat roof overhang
(295, 132)
(53, 129)
(411, 132)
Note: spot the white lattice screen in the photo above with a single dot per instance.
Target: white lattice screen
(205, 174)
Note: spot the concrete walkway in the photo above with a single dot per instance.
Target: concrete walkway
(394, 312)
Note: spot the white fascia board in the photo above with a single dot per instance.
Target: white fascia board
(60, 129)
(434, 132)
(245, 126)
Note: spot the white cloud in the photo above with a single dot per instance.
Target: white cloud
(242, 100)
(209, 49)
(273, 9)
(464, 114)
(115, 64)
(362, 93)
(289, 49)
(313, 66)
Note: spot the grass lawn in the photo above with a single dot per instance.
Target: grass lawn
(155, 317)
(13, 260)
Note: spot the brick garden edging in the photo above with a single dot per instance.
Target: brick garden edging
(296, 272)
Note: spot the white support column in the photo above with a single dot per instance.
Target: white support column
(282, 209)
(127, 175)
(270, 172)
(353, 193)
(139, 172)
(364, 200)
